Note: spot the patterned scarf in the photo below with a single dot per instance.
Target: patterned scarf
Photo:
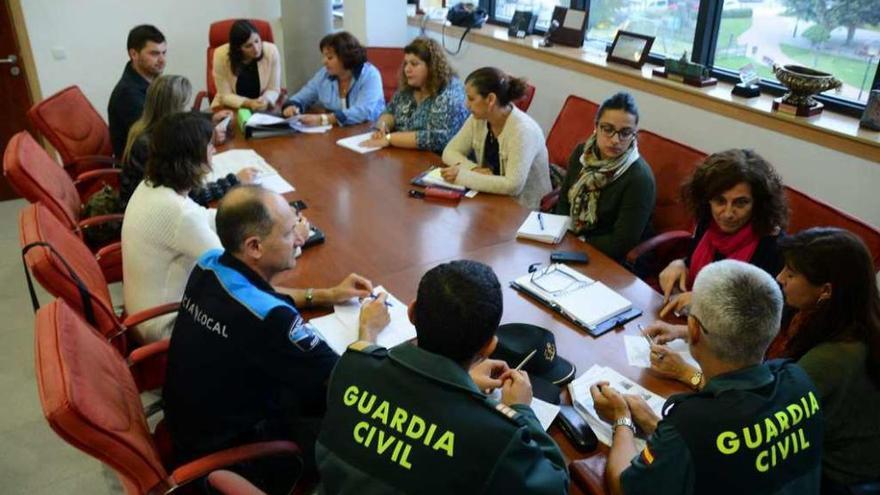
(595, 175)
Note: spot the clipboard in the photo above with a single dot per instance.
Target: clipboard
(597, 330)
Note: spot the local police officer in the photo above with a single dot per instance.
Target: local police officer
(754, 428)
(242, 364)
(413, 420)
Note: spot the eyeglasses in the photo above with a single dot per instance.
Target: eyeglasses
(554, 281)
(700, 323)
(609, 131)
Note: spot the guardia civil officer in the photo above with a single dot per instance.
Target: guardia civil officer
(413, 419)
(243, 366)
(754, 428)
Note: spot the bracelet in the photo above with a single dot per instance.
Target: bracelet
(388, 138)
(324, 119)
(310, 294)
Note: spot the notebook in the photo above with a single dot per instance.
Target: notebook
(340, 329)
(433, 178)
(589, 304)
(354, 143)
(232, 161)
(544, 227)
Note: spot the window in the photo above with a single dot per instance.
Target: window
(504, 10)
(671, 22)
(792, 32)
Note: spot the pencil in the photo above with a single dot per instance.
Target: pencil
(525, 360)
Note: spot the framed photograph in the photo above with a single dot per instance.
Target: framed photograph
(572, 26)
(630, 49)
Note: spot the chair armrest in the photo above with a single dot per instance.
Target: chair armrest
(99, 219)
(589, 474)
(147, 365)
(148, 314)
(94, 161)
(653, 243)
(230, 483)
(109, 258)
(205, 465)
(110, 173)
(197, 104)
(88, 183)
(548, 202)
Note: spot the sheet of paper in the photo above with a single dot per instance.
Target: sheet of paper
(354, 143)
(264, 119)
(544, 411)
(638, 352)
(274, 182)
(232, 161)
(318, 129)
(341, 333)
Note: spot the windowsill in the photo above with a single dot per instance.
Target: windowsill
(836, 131)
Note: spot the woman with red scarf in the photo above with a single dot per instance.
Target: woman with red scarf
(739, 205)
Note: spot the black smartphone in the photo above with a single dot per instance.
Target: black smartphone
(299, 205)
(569, 257)
(576, 429)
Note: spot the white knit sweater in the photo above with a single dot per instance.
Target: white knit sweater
(525, 172)
(163, 234)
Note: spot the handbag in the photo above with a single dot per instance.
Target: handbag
(467, 15)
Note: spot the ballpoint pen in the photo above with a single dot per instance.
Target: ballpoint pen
(374, 296)
(646, 336)
(541, 220)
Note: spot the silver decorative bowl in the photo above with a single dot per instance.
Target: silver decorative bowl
(803, 83)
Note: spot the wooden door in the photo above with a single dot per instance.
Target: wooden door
(15, 98)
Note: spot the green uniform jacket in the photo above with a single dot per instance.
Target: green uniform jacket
(410, 421)
(624, 210)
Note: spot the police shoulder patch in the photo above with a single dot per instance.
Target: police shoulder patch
(303, 335)
(507, 411)
(364, 347)
(647, 456)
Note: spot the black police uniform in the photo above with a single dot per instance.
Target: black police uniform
(407, 420)
(242, 361)
(757, 430)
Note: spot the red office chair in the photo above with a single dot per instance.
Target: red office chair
(229, 483)
(388, 61)
(91, 401)
(573, 125)
(75, 129)
(218, 35)
(36, 177)
(526, 100)
(672, 163)
(63, 265)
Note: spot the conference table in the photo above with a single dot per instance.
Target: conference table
(374, 228)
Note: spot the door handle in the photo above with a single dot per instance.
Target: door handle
(9, 60)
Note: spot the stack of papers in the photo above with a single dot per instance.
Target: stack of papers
(576, 296)
(638, 352)
(583, 400)
(544, 411)
(340, 329)
(266, 122)
(354, 143)
(544, 227)
(232, 161)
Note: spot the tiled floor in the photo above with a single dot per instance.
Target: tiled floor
(33, 459)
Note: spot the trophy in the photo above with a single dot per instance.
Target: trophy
(802, 83)
(748, 85)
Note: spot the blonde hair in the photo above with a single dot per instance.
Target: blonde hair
(166, 95)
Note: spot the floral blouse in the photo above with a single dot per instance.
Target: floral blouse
(435, 120)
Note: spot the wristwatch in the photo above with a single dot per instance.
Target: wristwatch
(310, 294)
(388, 138)
(696, 380)
(324, 119)
(623, 421)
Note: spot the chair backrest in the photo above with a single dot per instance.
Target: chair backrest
(38, 178)
(526, 100)
(89, 398)
(50, 266)
(573, 125)
(72, 125)
(388, 61)
(672, 163)
(807, 211)
(218, 34)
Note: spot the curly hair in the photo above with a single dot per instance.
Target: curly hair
(440, 73)
(346, 47)
(724, 170)
(179, 151)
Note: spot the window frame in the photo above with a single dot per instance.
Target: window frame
(703, 52)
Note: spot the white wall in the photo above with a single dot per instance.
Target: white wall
(93, 35)
(842, 180)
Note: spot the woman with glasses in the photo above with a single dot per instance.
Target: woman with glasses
(508, 145)
(609, 189)
(737, 200)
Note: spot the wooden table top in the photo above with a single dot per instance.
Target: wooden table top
(375, 229)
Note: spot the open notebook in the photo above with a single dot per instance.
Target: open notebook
(588, 303)
(340, 329)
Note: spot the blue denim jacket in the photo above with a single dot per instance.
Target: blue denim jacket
(365, 98)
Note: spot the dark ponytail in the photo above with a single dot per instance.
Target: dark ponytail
(491, 80)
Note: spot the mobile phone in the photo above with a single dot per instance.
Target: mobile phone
(299, 205)
(576, 429)
(569, 257)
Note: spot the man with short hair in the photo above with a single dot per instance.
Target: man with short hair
(146, 53)
(243, 366)
(756, 427)
(415, 418)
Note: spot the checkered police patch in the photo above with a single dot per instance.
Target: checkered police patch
(303, 335)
